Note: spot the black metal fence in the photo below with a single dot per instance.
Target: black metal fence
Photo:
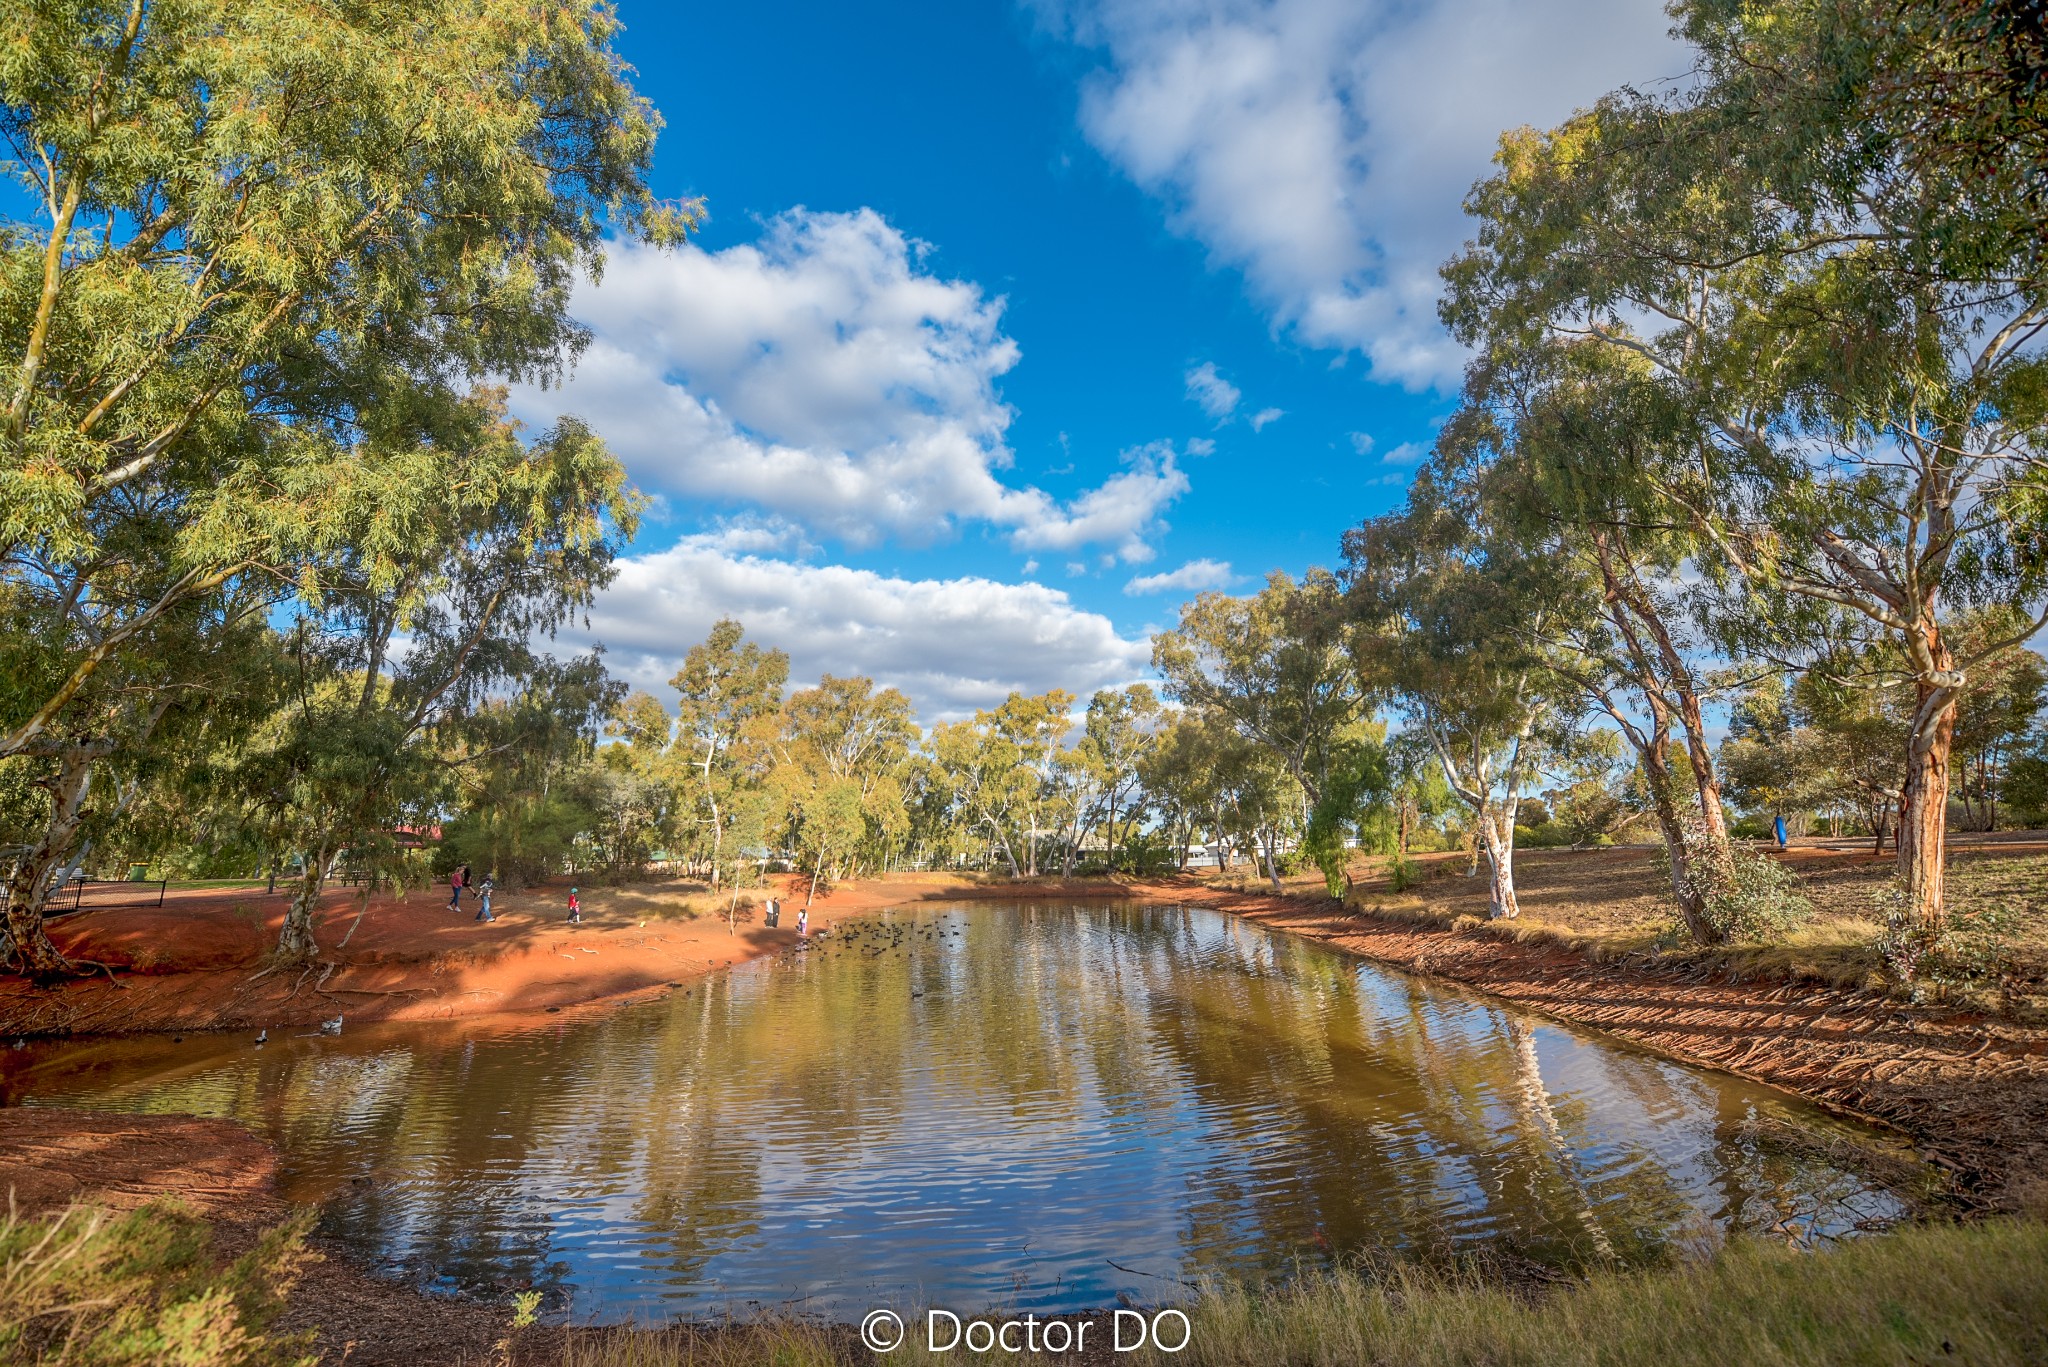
(93, 894)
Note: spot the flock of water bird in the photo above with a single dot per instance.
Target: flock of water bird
(876, 939)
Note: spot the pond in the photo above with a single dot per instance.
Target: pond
(1035, 1106)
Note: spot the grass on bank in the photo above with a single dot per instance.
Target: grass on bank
(1612, 904)
(144, 1289)
(1973, 1295)
(87, 1287)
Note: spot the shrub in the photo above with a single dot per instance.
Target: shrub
(89, 1287)
(1748, 896)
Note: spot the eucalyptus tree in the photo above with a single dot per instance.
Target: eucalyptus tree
(1276, 663)
(1182, 774)
(521, 538)
(1855, 334)
(1569, 449)
(986, 779)
(1453, 614)
(1120, 729)
(518, 767)
(845, 736)
(126, 763)
(731, 701)
(1037, 724)
(268, 244)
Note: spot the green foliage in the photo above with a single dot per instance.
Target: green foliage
(1745, 895)
(1357, 788)
(1276, 664)
(144, 1289)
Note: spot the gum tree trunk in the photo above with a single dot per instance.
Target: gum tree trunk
(1922, 839)
(1500, 858)
(28, 889)
(295, 942)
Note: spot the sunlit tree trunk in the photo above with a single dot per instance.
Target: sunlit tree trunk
(1500, 858)
(1923, 805)
(295, 942)
(28, 884)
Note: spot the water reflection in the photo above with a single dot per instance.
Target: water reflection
(989, 1106)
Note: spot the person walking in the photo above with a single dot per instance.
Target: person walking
(803, 924)
(575, 909)
(454, 888)
(773, 913)
(483, 912)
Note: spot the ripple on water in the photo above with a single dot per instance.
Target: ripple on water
(1169, 1088)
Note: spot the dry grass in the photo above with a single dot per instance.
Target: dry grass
(1615, 904)
(1950, 1294)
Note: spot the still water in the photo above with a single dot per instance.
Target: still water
(974, 1107)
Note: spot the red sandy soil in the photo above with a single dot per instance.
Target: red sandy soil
(1970, 1091)
(52, 1158)
(198, 962)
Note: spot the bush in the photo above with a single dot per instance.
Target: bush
(1972, 947)
(1749, 896)
(89, 1287)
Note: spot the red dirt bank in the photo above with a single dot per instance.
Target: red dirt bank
(1971, 1092)
(198, 962)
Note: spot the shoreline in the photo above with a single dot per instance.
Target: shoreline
(1968, 1091)
(1970, 1094)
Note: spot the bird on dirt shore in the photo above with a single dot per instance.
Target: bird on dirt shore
(262, 1037)
(331, 1027)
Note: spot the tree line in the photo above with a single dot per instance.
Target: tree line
(1751, 438)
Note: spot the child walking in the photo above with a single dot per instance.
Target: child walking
(803, 923)
(483, 912)
(575, 909)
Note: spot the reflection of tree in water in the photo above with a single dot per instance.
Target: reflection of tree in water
(1018, 1091)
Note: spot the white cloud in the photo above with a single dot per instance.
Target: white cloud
(1217, 396)
(1407, 453)
(1192, 577)
(753, 536)
(1265, 416)
(1324, 147)
(1121, 513)
(1362, 442)
(1200, 446)
(952, 644)
(822, 375)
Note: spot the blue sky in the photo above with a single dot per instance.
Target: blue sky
(1014, 326)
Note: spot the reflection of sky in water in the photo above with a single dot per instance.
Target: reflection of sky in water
(987, 1107)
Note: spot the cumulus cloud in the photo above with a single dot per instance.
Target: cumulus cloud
(822, 375)
(1192, 577)
(1266, 415)
(1407, 453)
(953, 645)
(1362, 443)
(1324, 147)
(1217, 396)
(1120, 514)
